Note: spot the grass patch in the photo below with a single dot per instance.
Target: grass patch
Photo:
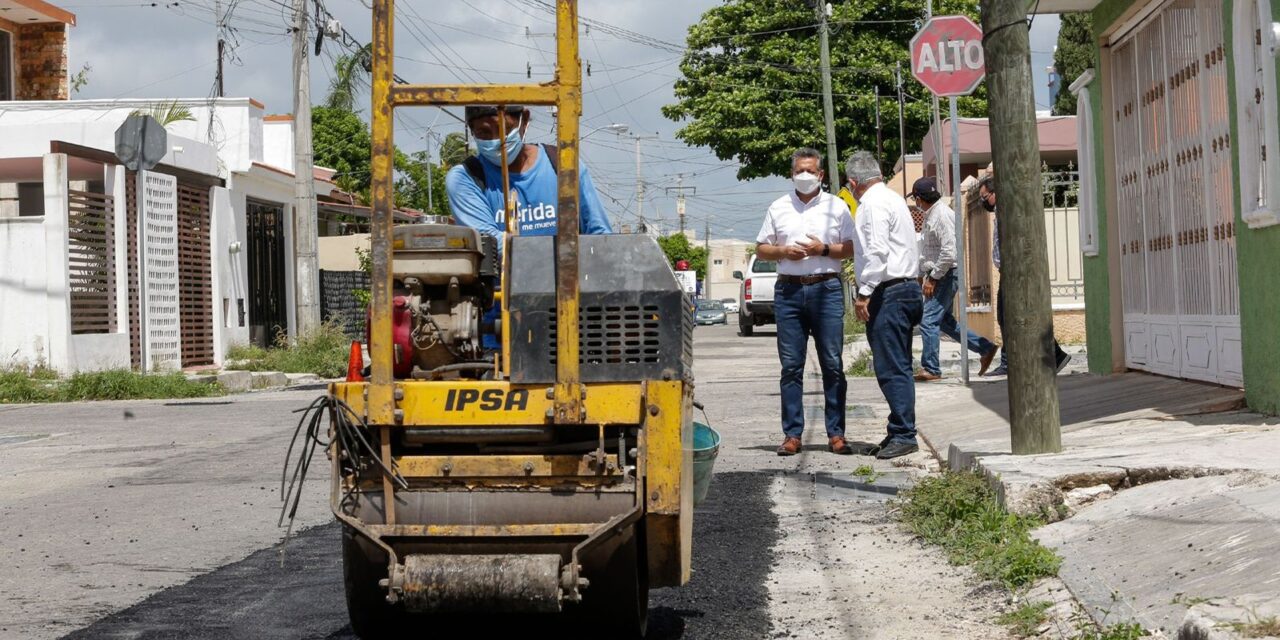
(119, 384)
(1127, 631)
(323, 352)
(866, 473)
(861, 366)
(1260, 628)
(853, 327)
(959, 512)
(1025, 621)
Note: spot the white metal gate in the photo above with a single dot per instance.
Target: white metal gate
(1173, 170)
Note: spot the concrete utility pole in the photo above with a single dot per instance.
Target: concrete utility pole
(1033, 391)
(639, 176)
(828, 109)
(706, 259)
(680, 189)
(217, 19)
(306, 270)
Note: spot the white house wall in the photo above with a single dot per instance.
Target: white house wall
(32, 141)
(236, 124)
(23, 307)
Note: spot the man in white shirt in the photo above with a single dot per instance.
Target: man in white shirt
(938, 271)
(889, 299)
(808, 232)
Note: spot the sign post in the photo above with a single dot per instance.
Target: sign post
(947, 58)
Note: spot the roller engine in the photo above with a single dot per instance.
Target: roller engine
(445, 276)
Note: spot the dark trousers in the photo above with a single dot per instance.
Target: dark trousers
(802, 311)
(895, 311)
(1058, 353)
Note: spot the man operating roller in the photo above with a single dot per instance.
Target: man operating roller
(475, 186)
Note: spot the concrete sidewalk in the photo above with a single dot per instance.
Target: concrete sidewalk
(1164, 504)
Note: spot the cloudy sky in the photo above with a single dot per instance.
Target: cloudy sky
(147, 49)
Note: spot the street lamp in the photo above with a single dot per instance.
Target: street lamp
(615, 127)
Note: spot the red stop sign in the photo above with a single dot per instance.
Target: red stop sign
(946, 56)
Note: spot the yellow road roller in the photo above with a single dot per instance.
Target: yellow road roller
(553, 475)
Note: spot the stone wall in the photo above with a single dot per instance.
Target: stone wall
(41, 61)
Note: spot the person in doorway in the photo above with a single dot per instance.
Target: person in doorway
(939, 280)
(475, 186)
(987, 196)
(889, 298)
(808, 232)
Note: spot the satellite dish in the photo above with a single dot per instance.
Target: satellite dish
(141, 142)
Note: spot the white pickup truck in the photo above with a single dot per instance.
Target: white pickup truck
(756, 294)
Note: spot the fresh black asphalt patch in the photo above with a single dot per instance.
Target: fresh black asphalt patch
(734, 535)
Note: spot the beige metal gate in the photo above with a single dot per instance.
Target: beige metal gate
(1173, 171)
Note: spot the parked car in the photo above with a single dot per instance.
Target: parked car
(756, 294)
(710, 312)
(730, 305)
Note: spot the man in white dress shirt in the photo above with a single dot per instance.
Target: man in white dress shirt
(888, 299)
(808, 232)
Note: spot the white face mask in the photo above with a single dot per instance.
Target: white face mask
(806, 183)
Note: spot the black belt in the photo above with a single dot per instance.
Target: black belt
(894, 282)
(813, 279)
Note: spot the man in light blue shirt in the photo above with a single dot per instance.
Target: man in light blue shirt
(475, 186)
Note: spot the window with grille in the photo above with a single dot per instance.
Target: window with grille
(1256, 114)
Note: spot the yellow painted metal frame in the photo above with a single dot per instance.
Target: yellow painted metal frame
(565, 93)
(428, 403)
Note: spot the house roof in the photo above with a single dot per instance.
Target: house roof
(1057, 140)
(26, 11)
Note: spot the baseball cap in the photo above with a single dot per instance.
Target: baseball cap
(479, 111)
(926, 187)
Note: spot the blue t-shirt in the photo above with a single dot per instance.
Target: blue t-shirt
(536, 199)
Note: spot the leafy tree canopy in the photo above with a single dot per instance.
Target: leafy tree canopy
(677, 248)
(342, 142)
(752, 90)
(1074, 54)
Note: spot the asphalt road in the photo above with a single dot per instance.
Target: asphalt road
(158, 520)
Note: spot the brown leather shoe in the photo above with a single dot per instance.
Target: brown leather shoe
(986, 361)
(925, 376)
(838, 446)
(790, 447)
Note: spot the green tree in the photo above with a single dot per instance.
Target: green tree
(342, 142)
(453, 150)
(414, 181)
(1074, 54)
(677, 248)
(751, 88)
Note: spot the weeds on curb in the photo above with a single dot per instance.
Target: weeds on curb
(861, 366)
(866, 473)
(1259, 628)
(323, 352)
(1127, 631)
(1025, 621)
(958, 511)
(118, 384)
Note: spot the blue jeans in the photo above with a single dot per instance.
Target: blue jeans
(938, 317)
(895, 311)
(801, 311)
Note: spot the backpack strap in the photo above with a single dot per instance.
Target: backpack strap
(476, 170)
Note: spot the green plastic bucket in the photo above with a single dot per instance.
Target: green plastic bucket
(706, 446)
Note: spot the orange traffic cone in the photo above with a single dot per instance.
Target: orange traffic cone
(355, 363)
